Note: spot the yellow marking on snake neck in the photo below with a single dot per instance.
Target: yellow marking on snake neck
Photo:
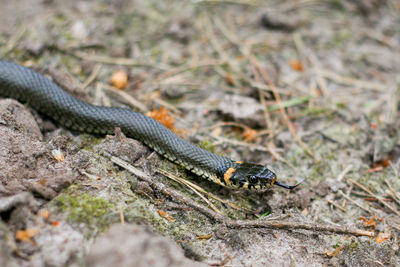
(228, 175)
(239, 161)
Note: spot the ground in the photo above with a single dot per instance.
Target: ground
(307, 88)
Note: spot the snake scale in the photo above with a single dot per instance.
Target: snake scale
(28, 86)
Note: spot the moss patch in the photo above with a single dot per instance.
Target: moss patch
(82, 207)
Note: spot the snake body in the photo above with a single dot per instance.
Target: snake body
(28, 86)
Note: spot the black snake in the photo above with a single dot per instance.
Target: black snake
(46, 97)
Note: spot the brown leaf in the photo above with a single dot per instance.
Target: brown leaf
(58, 155)
(204, 237)
(119, 79)
(26, 235)
(229, 78)
(45, 214)
(334, 253)
(165, 215)
(382, 237)
(162, 115)
(249, 135)
(296, 65)
(371, 222)
(383, 163)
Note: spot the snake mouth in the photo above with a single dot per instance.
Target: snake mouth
(290, 187)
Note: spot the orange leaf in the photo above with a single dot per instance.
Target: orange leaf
(58, 155)
(26, 235)
(229, 78)
(45, 214)
(382, 163)
(382, 237)
(204, 237)
(371, 222)
(165, 215)
(119, 79)
(55, 223)
(249, 134)
(162, 115)
(334, 253)
(42, 182)
(296, 65)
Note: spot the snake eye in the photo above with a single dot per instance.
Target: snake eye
(253, 179)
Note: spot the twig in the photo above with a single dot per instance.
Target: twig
(191, 186)
(92, 76)
(240, 125)
(183, 68)
(121, 215)
(298, 225)
(395, 196)
(273, 224)
(276, 95)
(115, 60)
(385, 40)
(14, 39)
(344, 172)
(238, 2)
(281, 106)
(322, 83)
(352, 82)
(264, 87)
(317, 210)
(336, 205)
(230, 36)
(198, 188)
(262, 100)
(354, 202)
(161, 102)
(226, 254)
(127, 97)
(373, 195)
(268, 148)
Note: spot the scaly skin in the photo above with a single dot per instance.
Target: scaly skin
(28, 86)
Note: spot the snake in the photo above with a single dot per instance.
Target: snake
(47, 98)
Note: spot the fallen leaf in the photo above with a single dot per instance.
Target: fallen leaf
(249, 134)
(55, 223)
(45, 214)
(204, 237)
(229, 78)
(383, 163)
(162, 115)
(334, 253)
(58, 155)
(42, 182)
(371, 222)
(26, 235)
(382, 237)
(119, 79)
(165, 215)
(296, 65)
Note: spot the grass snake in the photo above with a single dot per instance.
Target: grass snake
(28, 86)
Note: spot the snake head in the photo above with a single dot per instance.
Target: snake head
(251, 176)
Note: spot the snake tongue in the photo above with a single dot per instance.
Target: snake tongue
(290, 187)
